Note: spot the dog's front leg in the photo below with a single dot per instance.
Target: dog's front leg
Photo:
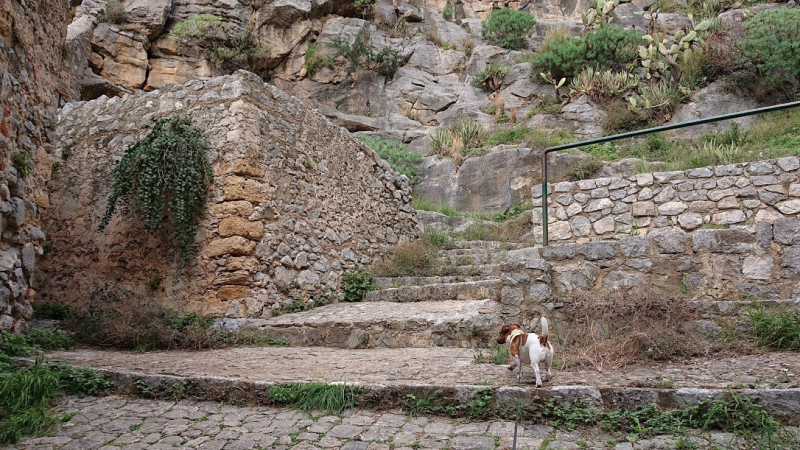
(514, 363)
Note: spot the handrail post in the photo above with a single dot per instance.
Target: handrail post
(614, 137)
(544, 199)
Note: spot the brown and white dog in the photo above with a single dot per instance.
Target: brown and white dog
(529, 348)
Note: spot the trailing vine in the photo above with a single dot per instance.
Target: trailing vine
(164, 178)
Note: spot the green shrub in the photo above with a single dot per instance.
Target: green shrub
(770, 43)
(448, 11)
(51, 311)
(356, 285)
(204, 30)
(562, 56)
(315, 60)
(361, 55)
(491, 78)
(229, 53)
(114, 12)
(508, 28)
(612, 47)
(164, 178)
(399, 156)
(584, 170)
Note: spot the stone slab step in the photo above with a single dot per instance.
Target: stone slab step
(396, 282)
(450, 323)
(468, 257)
(467, 290)
(391, 374)
(487, 245)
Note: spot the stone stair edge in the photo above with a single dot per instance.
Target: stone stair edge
(783, 404)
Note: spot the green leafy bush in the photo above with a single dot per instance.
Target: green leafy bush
(562, 56)
(356, 285)
(164, 178)
(770, 44)
(400, 157)
(508, 28)
(114, 12)
(203, 30)
(316, 59)
(612, 47)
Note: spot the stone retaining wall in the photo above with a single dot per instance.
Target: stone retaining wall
(760, 260)
(709, 196)
(31, 34)
(296, 201)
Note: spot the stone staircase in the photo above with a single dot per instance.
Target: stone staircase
(452, 311)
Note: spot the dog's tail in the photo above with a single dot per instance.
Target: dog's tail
(545, 332)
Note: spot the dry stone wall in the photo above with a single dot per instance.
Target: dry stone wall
(760, 260)
(296, 201)
(720, 196)
(30, 60)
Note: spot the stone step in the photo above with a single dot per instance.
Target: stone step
(467, 290)
(449, 323)
(487, 245)
(396, 282)
(390, 374)
(470, 257)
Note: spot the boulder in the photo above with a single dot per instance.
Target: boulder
(176, 70)
(148, 16)
(585, 116)
(434, 60)
(713, 100)
(124, 56)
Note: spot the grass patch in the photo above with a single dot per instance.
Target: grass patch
(27, 394)
(421, 204)
(535, 138)
(779, 330)
(327, 398)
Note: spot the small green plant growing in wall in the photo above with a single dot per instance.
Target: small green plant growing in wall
(356, 285)
(162, 179)
(224, 51)
(316, 59)
(23, 162)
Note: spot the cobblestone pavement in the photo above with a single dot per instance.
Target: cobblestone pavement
(440, 366)
(115, 422)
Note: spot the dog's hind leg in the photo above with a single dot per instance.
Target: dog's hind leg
(548, 363)
(538, 374)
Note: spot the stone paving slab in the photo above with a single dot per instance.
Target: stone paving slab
(115, 422)
(438, 366)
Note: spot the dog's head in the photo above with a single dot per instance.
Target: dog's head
(505, 332)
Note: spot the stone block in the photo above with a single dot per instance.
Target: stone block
(604, 225)
(789, 164)
(729, 217)
(559, 252)
(670, 242)
(690, 220)
(599, 204)
(238, 226)
(235, 245)
(235, 208)
(238, 188)
(723, 241)
(789, 207)
(787, 231)
(247, 168)
(594, 251)
(672, 208)
(233, 292)
(640, 209)
(757, 268)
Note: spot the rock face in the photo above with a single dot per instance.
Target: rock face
(729, 195)
(296, 201)
(714, 100)
(31, 34)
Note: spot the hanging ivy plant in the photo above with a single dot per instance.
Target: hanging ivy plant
(164, 178)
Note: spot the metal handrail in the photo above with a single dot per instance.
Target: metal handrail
(614, 137)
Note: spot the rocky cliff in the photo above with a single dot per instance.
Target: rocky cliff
(296, 201)
(31, 34)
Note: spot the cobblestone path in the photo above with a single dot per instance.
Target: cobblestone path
(115, 422)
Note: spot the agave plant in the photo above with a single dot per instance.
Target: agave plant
(470, 132)
(583, 83)
(617, 83)
(441, 140)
